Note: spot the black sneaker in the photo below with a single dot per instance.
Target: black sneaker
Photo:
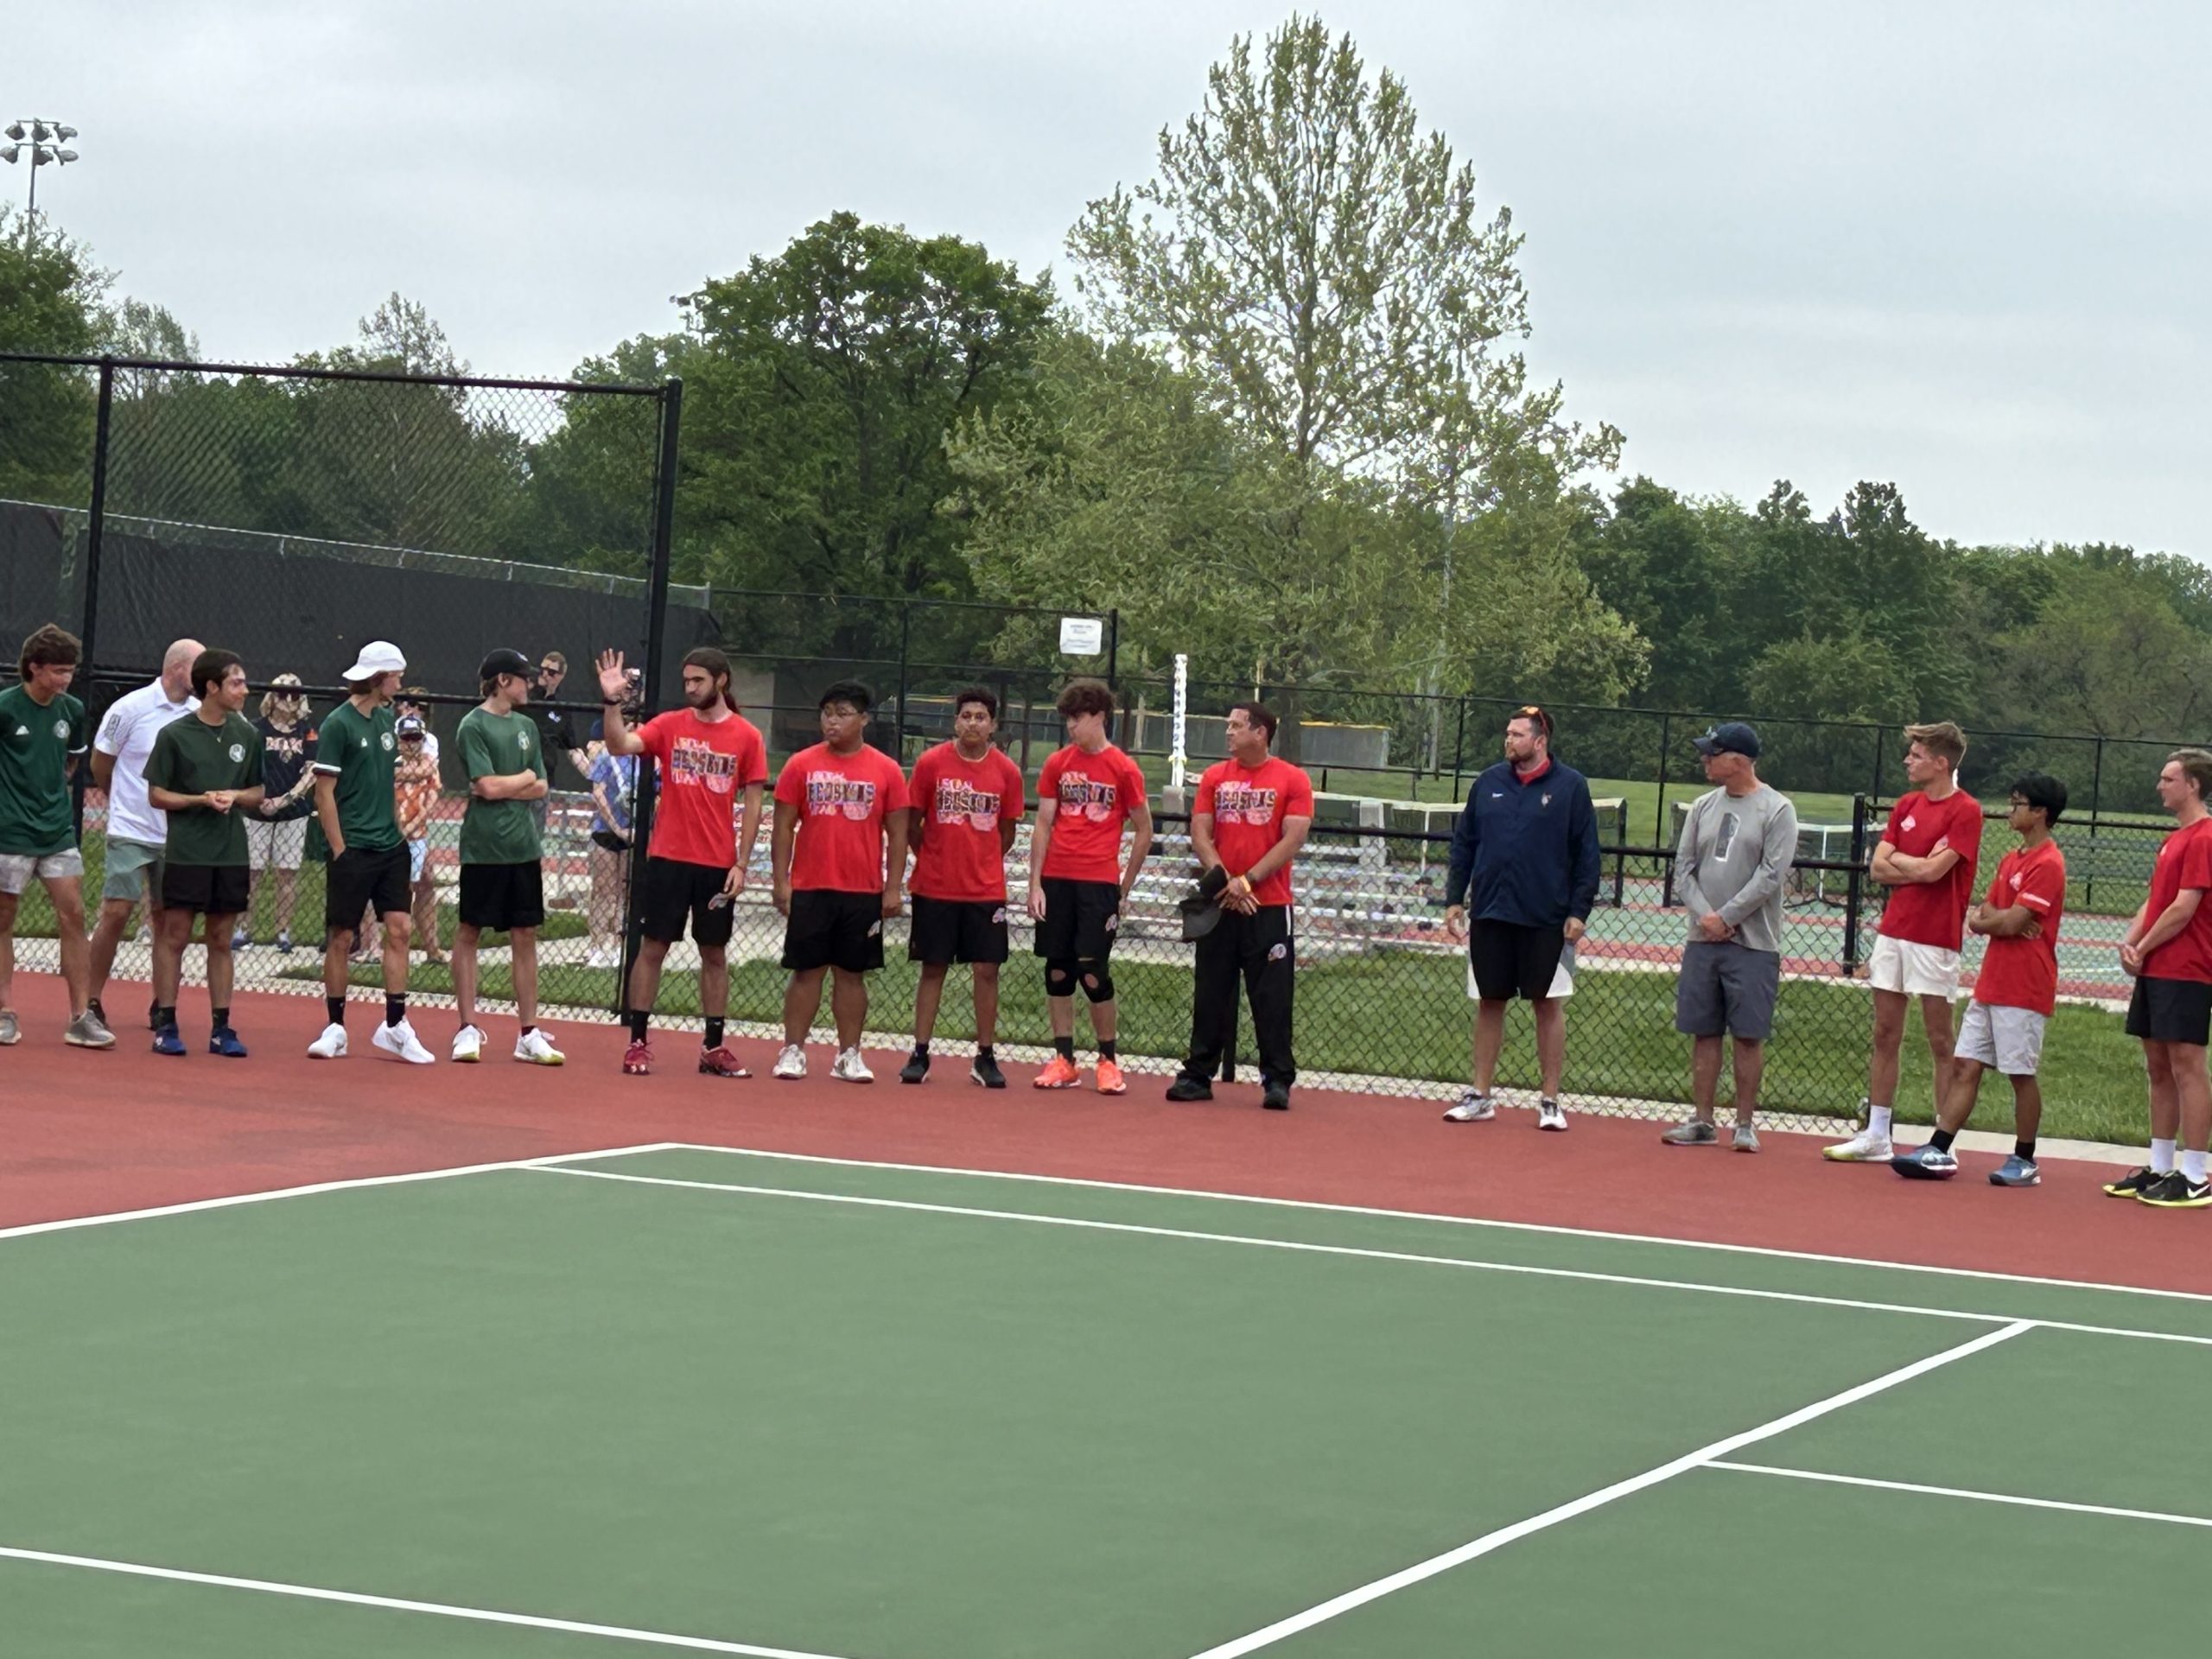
(2130, 1184)
(917, 1066)
(1276, 1097)
(1189, 1088)
(2175, 1191)
(986, 1072)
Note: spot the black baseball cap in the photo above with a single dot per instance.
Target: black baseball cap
(1729, 737)
(503, 661)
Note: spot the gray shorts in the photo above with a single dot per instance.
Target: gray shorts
(17, 870)
(1727, 986)
(2006, 1040)
(130, 866)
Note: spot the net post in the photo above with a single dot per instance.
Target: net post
(1178, 753)
(95, 537)
(1854, 884)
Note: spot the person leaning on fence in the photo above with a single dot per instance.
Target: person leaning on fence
(2167, 950)
(2014, 993)
(962, 805)
(205, 774)
(1527, 843)
(1734, 858)
(1250, 817)
(1926, 859)
(42, 736)
(276, 830)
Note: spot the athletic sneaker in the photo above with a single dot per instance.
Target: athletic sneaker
(11, 1029)
(916, 1069)
(1059, 1072)
(1925, 1164)
(2175, 1191)
(401, 1042)
(1276, 1097)
(1694, 1132)
(284, 942)
(2132, 1183)
(225, 1042)
(86, 1031)
(238, 940)
(1472, 1109)
(848, 1067)
(719, 1062)
(1864, 1147)
(1188, 1088)
(1746, 1139)
(2016, 1171)
(533, 1048)
(1109, 1077)
(468, 1045)
(985, 1071)
(331, 1045)
(1550, 1116)
(791, 1064)
(167, 1041)
(637, 1061)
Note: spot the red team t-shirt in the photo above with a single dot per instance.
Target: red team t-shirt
(962, 803)
(706, 766)
(1248, 805)
(1095, 795)
(840, 847)
(2024, 973)
(2184, 862)
(1934, 912)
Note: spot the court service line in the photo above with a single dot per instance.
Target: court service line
(402, 1605)
(1321, 1612)
(196, 1204)
(1308, 1247)
(1547, 1228)
(1960, 1491)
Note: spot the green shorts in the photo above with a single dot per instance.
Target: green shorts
(130, 866)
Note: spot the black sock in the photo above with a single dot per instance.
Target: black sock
(715, 1031)
(1941, 1140)
(1106, 1048)
(923, 1047)
(637, 1017)
(222, 1019)
(983, 1052)
(1065, 1048)
(2025, 1150)
(526, 1030)
(395, 1007)
(163, 1015)
(335, 1007)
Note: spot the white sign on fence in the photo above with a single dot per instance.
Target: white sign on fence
(1082, 636)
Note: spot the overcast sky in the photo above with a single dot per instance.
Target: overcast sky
(1963, 246)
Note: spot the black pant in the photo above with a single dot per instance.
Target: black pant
(1261, 947)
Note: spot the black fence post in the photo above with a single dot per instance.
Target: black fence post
(1854, 886)
(1620, 858)
(95, 537)
(657, 579)
(1874, 785)
(1459, 745)
(905, 640)
(1659, 812)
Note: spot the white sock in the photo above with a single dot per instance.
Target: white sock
(2192, 1164)
(1877, 1120)
(2162, 1157)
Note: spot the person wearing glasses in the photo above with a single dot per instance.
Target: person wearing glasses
(1527, 843)
(560, 735)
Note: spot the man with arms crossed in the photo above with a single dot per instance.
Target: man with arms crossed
(1077, 883)
(1251, 816)
(205, 774)
(1736, 845)
(2013, 993)
(837, 804)
(355, 756)
(962, 807)
(502, 880)
(276, 830)
(2168, 951)
(136, 829)
(1528, 842)
(1926, 859)
(41, 734)
(709, 756)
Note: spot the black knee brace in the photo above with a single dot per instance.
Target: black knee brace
(1060, 977)
(1098, 984)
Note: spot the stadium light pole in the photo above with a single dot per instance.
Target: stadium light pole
(45, 141)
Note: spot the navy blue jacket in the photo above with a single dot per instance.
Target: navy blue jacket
(1531, 850)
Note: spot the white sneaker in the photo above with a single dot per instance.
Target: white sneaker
(791, 1064)
(1472, 1109)
(1551, 1115)
(1864, 1147)
(596, 957)
(532, 1046)
(848, 1067)
(401, 1040)
(331, 1045)
(467, 1045)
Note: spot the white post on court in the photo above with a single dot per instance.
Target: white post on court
(1178, 753)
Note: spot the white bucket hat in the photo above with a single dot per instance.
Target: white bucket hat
(378, 657)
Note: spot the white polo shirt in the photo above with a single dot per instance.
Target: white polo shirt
(128, 733)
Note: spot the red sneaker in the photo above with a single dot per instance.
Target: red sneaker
(1059, 1072)
(1110, 1080)
(637, 1060)
(722, 1063)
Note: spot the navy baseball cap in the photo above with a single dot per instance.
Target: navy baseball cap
(1729, 737)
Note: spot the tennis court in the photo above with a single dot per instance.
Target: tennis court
(754, 1402)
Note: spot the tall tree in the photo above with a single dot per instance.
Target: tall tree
(50, 294)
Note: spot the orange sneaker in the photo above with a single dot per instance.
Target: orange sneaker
(1110, 1080)
(1059, 1072)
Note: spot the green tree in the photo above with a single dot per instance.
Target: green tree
(50, 295)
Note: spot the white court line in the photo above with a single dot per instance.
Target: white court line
(397, 1603)
(1455, 1221)
(197, 1205)
(1960, 1491)
(1321, 1612)
(1308, 1247)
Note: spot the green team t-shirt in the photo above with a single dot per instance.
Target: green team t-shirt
(190, 757)
(36, 739)
(359, 751)
(499, 745)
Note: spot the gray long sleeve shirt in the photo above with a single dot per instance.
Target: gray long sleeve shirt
(1735, 854)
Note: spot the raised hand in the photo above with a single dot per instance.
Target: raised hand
(614, 682)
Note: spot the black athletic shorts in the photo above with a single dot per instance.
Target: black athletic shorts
(2170, 1011)
(833, 929)
(675, 890)
(1512, 960)
(502, 897)
(1081, 918)
(957, 930)
(363, 881)
(206, 889)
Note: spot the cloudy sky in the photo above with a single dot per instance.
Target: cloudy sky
(1965, 246)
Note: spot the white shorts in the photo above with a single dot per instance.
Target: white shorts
(2009, 1040)
(281, 843)
(17, 870)
(1913, 970)
(1562, 976)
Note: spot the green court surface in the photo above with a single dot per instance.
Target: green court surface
(679, 1398)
